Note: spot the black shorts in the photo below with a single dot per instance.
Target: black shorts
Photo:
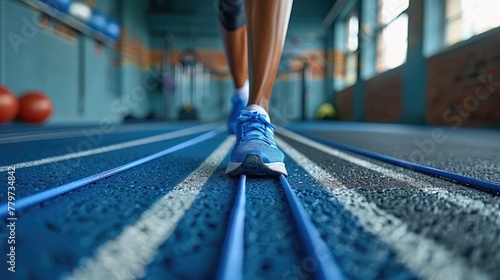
(232, 14)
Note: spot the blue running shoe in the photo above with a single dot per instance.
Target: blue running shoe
(255, 152)
(239, 104)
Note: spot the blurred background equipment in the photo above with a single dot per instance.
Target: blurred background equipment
(188, 113)
(80, 11)
(8, 105)
(112, 29)
(326, 112)
(61, 5)
(34, 107)
(189, 83)
(98, 21)
(356, 55)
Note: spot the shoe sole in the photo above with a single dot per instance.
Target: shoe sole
(253, 165)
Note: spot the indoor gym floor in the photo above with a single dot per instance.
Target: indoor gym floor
(168, 218)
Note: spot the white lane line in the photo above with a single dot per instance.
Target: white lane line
(127, 256)
(41, 136)
(49, 135)
(114, 147)
(488, 211)
(426, 258)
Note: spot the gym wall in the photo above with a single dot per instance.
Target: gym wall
(436, 90)
(195, 26)
(87, 81)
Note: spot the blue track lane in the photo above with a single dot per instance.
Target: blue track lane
(33, 199)
(83, 141)
(21, 152)
(234, 229)
(73, 225)
(359, 254)
(326, 268)
(461, 179)
(8, 130)
(421, 204)
(231, 265)
(38, 178)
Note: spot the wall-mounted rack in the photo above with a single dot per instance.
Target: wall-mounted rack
(70, 21)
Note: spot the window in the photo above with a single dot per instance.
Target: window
(466, 18)
(351, 58)
(347, 52)
(392, 41)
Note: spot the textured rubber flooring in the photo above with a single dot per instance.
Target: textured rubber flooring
(73, 225)
(359, 253)
(461, 230)
(470, 152)
(272, 245)
(199, 236)
(378, 221)
(65, 171)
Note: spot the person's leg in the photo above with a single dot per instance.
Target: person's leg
(235, 44)
(255, 152)
(267, 27)
(232, 27)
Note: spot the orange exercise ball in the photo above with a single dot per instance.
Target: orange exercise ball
(8, 105)
(34, 107)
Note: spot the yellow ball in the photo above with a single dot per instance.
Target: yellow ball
(326, 112)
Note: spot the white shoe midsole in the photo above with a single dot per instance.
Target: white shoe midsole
(274, 166)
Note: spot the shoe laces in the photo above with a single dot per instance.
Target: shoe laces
(252, 125)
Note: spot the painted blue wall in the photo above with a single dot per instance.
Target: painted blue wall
(86, 85)
(286, 100)
(3, 44)
(180, 42)
(135, 92)
(80, 76)
(99, 81)
(41, 60)
(133, 16)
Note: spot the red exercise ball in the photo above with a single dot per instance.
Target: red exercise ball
(8, 105)
(34, 107)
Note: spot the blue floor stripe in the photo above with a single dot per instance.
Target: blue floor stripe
(231, 266)
(316, 248)
(457, 178)
(36, 198)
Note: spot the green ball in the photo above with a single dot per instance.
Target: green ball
(326, 112)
